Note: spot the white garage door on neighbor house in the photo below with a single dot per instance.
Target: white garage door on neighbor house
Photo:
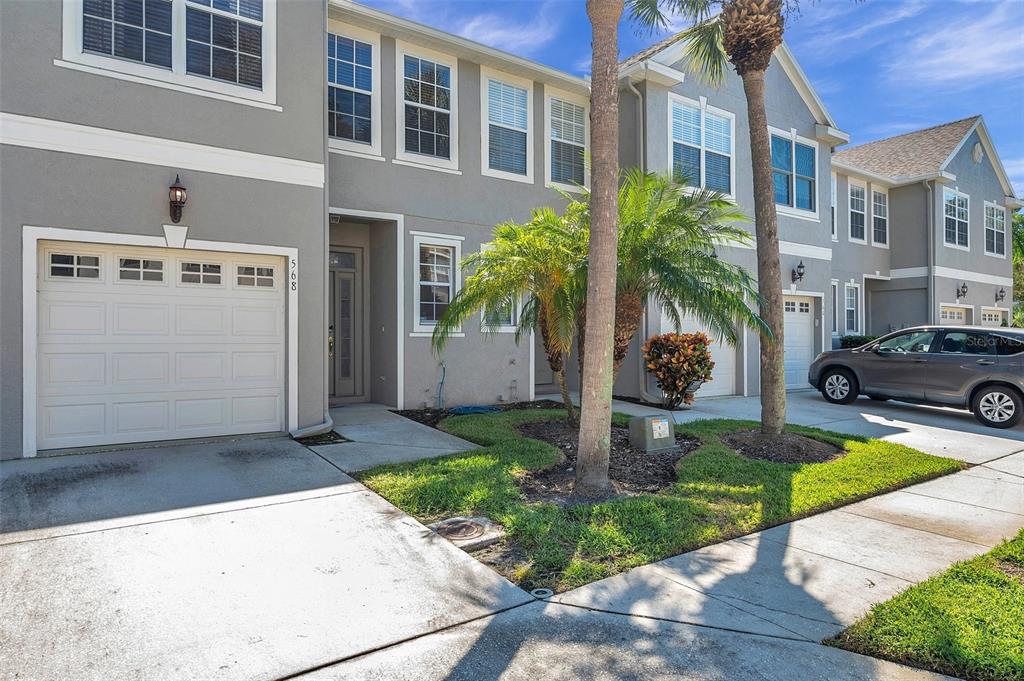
(139, 344)
(798, 339)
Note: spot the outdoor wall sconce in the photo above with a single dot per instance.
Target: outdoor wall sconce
(798, 273)
(178, 196)
(961, 290)
(1000, 295)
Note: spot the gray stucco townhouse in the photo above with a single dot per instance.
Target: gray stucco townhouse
(337, 163)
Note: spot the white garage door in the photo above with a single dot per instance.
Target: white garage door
(724, 356)
(799, 340)
(139, 344)
(953, 316)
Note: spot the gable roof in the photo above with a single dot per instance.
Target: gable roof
(922, 153)
(671, 49)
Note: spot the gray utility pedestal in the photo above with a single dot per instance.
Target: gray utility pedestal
(653, 433)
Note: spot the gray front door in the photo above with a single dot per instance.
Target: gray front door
(346, 325)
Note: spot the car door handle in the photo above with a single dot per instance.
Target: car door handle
(919, 360)
(985, 362)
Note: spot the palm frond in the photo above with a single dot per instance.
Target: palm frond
(703, 47)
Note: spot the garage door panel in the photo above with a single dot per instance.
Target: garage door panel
(723, 376)
(130, 360)
(798, 340)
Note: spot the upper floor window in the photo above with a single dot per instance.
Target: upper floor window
(956, 207)
(219, 48)
(794, 172)
(507, 148)
(349, 89)
(702, 145)
(858, 212)
(879, 218)
(427, 90)
(995, 230)
(568, 143)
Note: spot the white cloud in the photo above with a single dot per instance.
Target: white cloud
(526, 36)
(840, 34)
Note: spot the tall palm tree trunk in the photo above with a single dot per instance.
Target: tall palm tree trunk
(596, 385)
(769, 277)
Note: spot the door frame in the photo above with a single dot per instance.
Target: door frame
(175, 237)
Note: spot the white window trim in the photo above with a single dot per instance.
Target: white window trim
(240, 287)
(860, 309)
(492, 74)
(552, 93)
(73, 55)
(793, 138)
(421, 160)
(164, 280)
(1007, 231)
(75, 251)
(850, 183)
(955, 192)
(834, 292)
(888, 234)
(834, 204)
(225, 269)
(371, 150)
(428, 239)
(703, 105)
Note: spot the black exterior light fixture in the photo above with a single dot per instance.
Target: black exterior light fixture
(961, 290)
(1000, 295)
(798, 273)
(178, 195)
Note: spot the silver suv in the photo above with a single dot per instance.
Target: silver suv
(976, 368)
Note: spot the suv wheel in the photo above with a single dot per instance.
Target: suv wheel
(998, 406)
(839, 386)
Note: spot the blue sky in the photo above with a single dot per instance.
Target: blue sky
(883, 67)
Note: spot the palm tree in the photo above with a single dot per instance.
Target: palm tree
(596, 380)
(539, 260)
(745, 34)
(666, 251)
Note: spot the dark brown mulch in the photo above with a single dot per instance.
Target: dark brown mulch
(1012, 570)
(785, 448)
(432, 417)
(642, 402)
(328, 438)
(631, 471)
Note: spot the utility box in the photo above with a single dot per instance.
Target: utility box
(652, 433)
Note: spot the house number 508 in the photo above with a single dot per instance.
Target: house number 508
(294, 276)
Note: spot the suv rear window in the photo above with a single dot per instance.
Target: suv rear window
(966, 343)
(1009, 345)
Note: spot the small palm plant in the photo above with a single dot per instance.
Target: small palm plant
(540, 261)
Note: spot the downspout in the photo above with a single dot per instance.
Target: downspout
(930, 220)
(641, 138)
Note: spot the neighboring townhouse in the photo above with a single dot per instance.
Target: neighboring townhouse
(671, 121)
(119, 323)
(922, 231)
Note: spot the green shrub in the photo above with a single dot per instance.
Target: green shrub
(676, 360)
(854, 341)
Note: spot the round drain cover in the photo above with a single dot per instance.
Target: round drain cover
(460, 529)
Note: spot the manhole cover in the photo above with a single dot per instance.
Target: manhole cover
(461, 529)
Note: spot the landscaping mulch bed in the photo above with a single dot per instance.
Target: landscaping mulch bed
(784, 448)
(644, 403)
(432, 417)
(632, 471)
(1011, 570)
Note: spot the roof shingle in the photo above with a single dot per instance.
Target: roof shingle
(912, 154)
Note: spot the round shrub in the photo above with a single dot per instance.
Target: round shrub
(677, 361)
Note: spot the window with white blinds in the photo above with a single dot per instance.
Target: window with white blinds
(568, 141)
(508, 125)
(702, 146)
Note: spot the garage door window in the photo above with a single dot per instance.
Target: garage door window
(68, 265)
(139, 269)
(258, 277)
(200, 273)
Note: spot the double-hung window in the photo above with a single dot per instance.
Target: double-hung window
(995, 230)
(852, 308)
(567, 146)
(437, 277)
(427, 110)
(219, 46)
(835, 308)
(956, 208)
(879, 218)
(794, 171)
(858, 212)
(507, 146)
(350, 89)
(702, 145)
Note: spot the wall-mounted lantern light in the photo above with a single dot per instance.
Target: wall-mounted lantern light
(178, 196)
(798, 273)
(1000, 295)
(961, 290)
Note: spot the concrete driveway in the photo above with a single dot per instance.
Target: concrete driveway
(245, 559)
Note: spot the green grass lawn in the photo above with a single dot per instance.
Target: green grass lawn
(719, 494)
(967, 621)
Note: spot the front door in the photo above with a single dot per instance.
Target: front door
(345, 330)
